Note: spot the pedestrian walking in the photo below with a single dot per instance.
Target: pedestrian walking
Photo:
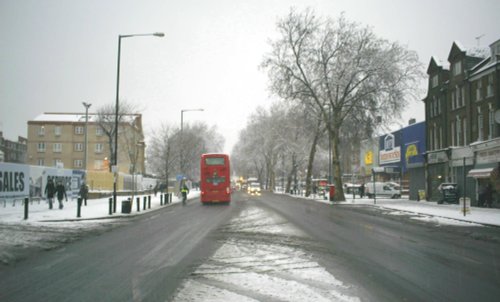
(155, 189)
(61, 192)
(488, 195)
(84, 192)
(50, 191)
(362, 190)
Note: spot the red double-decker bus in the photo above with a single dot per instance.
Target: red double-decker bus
(215, 182)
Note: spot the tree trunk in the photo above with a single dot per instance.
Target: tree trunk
(310, 162)
(337, 172)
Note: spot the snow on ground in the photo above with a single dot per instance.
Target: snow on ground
(270, 265)
(261, 257)
(48, 229)
(444, 213)
(99, 209)
(39, 212)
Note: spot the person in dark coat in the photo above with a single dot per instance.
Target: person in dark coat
(50, 191)
(488, 195)
(61, 192)
(84, 192)
(362, 190)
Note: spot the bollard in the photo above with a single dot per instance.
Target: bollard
(110, 206)
(144, 203)
(149, 201)
(161, 199)
(79, 208)
(138, 199)
(26, 205)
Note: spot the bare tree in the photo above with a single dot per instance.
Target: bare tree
(270, 136)
(106, 120)
(162, 156)
(164, 148)
(340, 67)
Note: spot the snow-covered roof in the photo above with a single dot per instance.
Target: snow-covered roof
(64, 117)
(70, 117)
(459, 45)
(478, 52)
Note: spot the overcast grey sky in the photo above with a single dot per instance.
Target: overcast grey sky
(55, 54)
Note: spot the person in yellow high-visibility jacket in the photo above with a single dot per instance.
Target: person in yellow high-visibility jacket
(184, 192)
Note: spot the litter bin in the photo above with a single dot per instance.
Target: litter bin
(126, 206)
(331, 191)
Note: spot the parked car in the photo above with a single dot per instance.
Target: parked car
(383, 189)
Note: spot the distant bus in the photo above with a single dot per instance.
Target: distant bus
(215, 183)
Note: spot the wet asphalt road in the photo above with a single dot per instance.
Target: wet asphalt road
(396, 258)
(158, 256)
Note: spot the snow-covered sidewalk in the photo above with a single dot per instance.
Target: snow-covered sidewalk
(486, 216)
(99, 209)
(38, 211)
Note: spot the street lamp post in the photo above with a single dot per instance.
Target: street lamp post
(182, 139)
(87, 106)
(115, 151)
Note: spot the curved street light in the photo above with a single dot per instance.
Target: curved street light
(87, 106)
(115, 153)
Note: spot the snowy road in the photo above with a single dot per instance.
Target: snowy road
(268, 248)
(263, 259)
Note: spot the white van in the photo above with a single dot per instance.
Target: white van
(383, 189)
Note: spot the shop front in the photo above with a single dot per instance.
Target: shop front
(437, 172)
(486, 171)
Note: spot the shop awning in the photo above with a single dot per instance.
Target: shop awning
(480, 173)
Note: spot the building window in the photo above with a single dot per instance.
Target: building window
(480, 126)
(57, 147)
(40, 162)
(98, 164)
(457, 68)
(464, 130)
(478, 91)
(489, 89)
(435, 81)
(440, 137)
(41, 147)
(78, 163)
(57, 131)
(99, 148)
(453, 125)
(435, 103)
(79, 147)
(99, 131)
(78, 130)
(41, 131)
(439, 105)
(491, 123)
(434, 137)
(431, 108)
(453, 99)
(458, 131)
(462, 96)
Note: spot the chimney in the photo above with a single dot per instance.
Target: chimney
(412, 121)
